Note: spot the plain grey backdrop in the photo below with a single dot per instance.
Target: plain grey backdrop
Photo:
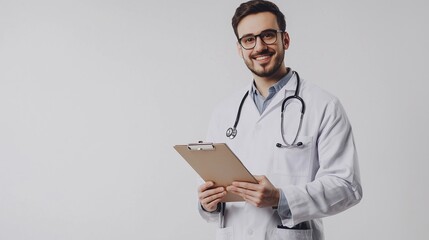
(94, 94)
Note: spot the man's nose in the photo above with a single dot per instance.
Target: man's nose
(260, 45)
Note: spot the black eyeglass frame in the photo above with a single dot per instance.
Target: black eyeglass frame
(259, 35)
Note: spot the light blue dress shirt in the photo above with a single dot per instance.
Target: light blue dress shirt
(260, 101)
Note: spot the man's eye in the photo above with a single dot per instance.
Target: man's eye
(249, 39)
(268, 35)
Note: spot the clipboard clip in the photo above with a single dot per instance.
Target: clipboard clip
(200, 146)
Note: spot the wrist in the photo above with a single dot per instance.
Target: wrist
(276, 198)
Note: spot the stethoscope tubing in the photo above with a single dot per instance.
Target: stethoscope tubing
(232, 132)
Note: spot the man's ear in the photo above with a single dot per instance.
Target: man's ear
(286, 40)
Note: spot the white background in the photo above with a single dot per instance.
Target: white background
(94, 94)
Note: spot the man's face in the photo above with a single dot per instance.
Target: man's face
(263, 60)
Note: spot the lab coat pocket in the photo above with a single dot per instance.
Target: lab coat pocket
(294, 162)
(224, 233)
(293, 234)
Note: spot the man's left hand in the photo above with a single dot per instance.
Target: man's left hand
(261, 194)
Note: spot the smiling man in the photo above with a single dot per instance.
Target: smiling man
(265, 58)
(293, 136)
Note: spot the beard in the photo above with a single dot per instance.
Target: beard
(266, 71)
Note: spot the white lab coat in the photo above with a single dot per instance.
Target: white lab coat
(319, 179)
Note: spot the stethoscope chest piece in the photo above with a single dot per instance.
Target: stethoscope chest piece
(231, 133)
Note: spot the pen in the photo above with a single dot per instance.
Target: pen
(222, 215)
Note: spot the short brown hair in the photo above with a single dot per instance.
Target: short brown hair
(257, 6)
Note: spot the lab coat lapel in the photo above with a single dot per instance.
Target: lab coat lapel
(250, 105)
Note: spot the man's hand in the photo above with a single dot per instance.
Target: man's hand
(210, 197)
(262, 194)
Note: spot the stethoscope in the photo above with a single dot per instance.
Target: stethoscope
(232, 132)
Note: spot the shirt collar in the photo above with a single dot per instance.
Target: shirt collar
(276, 87)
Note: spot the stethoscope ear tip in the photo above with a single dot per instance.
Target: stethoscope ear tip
(298, 144)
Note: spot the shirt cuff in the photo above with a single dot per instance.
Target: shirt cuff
(283, 207)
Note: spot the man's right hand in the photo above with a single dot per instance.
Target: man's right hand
(210, 197)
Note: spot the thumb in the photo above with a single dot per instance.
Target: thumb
(260, 178)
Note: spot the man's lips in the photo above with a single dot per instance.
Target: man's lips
(263, 58)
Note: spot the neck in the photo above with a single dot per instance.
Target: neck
(264, 83)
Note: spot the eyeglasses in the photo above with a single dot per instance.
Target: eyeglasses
(267, 36)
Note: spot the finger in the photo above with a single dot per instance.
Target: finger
(260, 178)
(212, 206)
(210, 192)
(245, 193)
(257, 202)
(211, 198)
(252, 193)
(246, 185)
(205, 186)
(214, 198)
(238, 193)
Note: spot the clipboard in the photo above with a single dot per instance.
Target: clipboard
(216, 162)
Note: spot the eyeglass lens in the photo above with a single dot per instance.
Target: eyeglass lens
(267, 36)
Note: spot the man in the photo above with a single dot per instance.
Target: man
(306, 168)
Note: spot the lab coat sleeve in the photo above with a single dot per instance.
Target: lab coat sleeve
(208, 216)
(336, 185)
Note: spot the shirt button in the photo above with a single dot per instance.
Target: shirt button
(250, 232)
